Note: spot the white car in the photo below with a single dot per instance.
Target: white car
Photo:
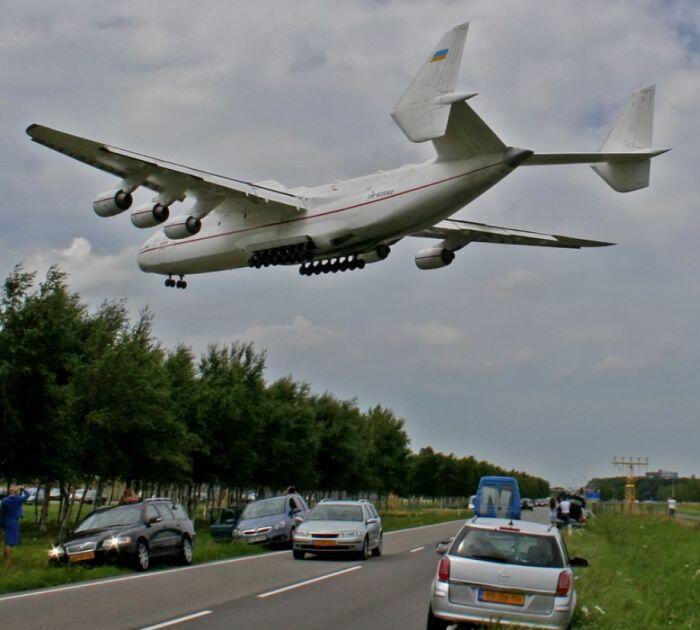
(498, 571)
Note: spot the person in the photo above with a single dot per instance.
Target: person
(291, 490)
(552, 511)
(671, 506)
(565, 508)
(10, 514)
(129, 496)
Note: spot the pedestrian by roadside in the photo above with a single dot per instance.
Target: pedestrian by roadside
(129, 496)
(565, 508)
(10, 514)
(671, 504)
(552, 511)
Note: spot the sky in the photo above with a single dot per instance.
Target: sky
(548, 361)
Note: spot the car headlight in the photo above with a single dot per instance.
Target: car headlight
(56, 552)
(351, 533)
(280, 525)
(301, 533)
(114, 541)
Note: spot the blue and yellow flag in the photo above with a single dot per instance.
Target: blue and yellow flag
(440, 55)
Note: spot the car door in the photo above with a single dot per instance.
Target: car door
(372, 527)
(170, 536)
(154, 529)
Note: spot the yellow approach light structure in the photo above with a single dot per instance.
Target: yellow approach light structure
(632, 467)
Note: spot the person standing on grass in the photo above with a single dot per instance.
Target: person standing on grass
(552, 511)
(565, 507)
(671, 506)
(10, 513)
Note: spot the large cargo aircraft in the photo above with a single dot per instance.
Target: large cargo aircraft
(347, 224)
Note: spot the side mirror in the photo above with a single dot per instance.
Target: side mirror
(154, 519)
(372, 521)
(442, 547)
(298, 519)
(577, 561)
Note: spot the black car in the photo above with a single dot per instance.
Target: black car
(133, 533)
(223, 521)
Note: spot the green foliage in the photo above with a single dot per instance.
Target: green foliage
(684, 488)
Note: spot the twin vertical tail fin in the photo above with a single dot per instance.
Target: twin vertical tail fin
(631, 134)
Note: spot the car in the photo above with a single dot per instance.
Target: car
(527, 504)
(498, 497)
(498, 572)
(577, 510)
(472, 499)
(36, 495)
(89, 496)
(130, 534)
(223, 521)
(271, 521)
(340, 526)
(542, 502)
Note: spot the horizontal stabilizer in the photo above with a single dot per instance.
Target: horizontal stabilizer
(457, 234)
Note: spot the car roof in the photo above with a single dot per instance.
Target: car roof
(526, 527)
(343, 502)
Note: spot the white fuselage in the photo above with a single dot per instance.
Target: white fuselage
(346, 217)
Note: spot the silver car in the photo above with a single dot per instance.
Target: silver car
(498, 571)
(340, 526)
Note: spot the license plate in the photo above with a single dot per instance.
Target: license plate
(324, 543)
(254, 539)
(84, 555)
(498, 597)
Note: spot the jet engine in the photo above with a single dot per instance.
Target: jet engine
(112, 202)
(149, 215)
(375, 255)
(434, 258)
(184, 228)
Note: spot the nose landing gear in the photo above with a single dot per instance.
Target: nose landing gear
(180, 284)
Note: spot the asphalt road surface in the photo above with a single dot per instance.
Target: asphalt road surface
(267, 591)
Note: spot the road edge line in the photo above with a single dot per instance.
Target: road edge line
(177, 620)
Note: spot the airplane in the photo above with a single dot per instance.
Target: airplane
(348, 224)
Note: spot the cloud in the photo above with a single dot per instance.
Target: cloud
(435, 333)
(522, 281)
(299, 334)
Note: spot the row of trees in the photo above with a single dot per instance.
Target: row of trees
(649, 488)
(88, 397)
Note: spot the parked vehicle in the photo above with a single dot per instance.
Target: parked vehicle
(498, 497)
(271, 521)
(577, 509)
(133, 533)
(340, 526)
(89, 495)
(223, 521)
(527, 504)
(495, 572)
(472, 499)
(35, 495)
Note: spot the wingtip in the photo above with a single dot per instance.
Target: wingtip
(31, 128)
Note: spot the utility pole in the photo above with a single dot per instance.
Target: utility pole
(632, 466)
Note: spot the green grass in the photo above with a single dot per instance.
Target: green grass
(31, 569)
(689, 508)
(644, 573)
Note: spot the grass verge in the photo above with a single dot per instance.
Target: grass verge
(644, 573)
(31, 569)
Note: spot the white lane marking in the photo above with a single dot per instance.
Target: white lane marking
(306, 582)
(71, 587)
(417, 549)
(139, 576)
(173, 622)
(415, 529)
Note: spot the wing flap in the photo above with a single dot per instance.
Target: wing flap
(458, 234)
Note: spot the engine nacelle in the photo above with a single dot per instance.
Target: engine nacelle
(183, 228)
(434, 258)
(377, 254)
(112, 202)
(149, 215)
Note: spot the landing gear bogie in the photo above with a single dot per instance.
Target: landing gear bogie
(180, 284)
(331, 265)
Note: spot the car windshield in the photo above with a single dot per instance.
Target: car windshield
(267, 507)
(508, 547)
(336, 513)
(111, 518)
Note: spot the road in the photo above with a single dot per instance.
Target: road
(272, 590)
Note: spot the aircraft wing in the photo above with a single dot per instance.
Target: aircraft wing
(457, 234)
(172, 181)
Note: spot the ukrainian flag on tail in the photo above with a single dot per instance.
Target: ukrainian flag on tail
(440, 55)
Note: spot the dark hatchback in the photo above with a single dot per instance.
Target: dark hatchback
(132, 534)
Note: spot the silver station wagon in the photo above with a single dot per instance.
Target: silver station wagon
(340, 526)
(498, 571)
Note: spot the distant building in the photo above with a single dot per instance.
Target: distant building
(662, 474)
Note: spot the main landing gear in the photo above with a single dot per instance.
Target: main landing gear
(331, 265)
(180, 284)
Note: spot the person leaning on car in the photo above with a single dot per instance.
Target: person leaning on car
(10, 513)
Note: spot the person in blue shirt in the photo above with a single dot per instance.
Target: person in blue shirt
(10, 513)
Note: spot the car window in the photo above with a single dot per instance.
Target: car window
(179, 511)
(508, 547)
(373, 510)
(324, 512)
(293, 504)
(499, 496)
(151, 512)
(165, 511)
(266, 507)
(111, 518)
(304, 506)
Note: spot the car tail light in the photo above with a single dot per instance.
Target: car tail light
(444, 569)
(563, 584)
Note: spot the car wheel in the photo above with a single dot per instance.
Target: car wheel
(377, 551)
(298, 554)
(364, 554)
(186, 551)
(435, 623)
(143, 556)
